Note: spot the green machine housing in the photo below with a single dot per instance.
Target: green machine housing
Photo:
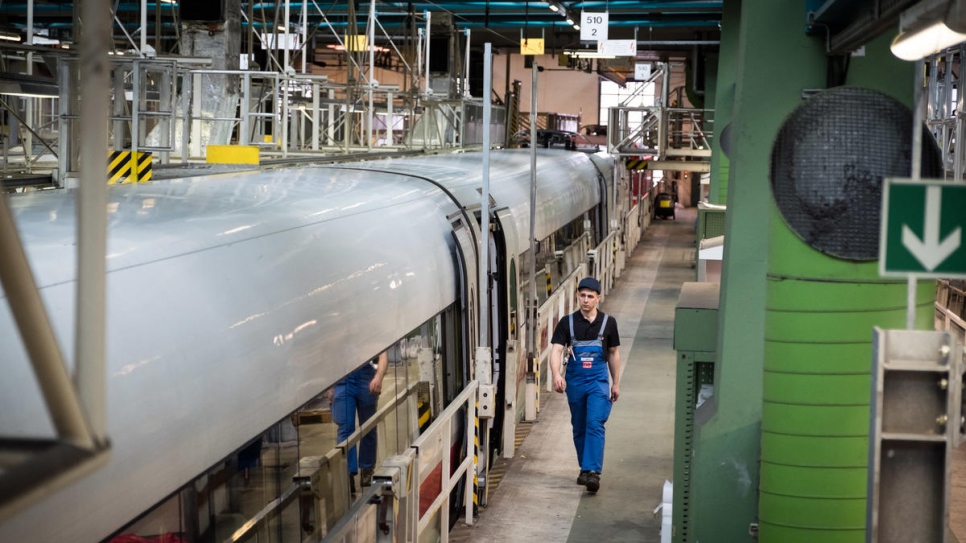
(695, 338)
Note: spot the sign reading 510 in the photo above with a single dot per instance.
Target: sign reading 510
(593, 25)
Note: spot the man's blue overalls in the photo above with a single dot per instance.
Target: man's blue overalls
(351, 394)
(588, 392)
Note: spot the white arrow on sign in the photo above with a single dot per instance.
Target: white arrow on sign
(930, 251)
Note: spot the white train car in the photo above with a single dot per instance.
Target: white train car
(234, 300)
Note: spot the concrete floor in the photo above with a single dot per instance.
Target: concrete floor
(538, 500)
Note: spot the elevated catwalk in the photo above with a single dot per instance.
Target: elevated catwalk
(538, 498)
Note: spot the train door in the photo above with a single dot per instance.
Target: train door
(500, 310)
(467, 270)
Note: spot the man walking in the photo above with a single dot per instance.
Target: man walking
(592, 339)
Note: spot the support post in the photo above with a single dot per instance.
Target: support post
(92, 216)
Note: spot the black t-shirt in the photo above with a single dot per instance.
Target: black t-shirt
(586, 331)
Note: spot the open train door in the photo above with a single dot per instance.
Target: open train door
(467, 266)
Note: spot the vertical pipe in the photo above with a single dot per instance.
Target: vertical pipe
(917, 115)
(305, 26)
(315, 115)
(28, 141)
(186, 87)
(390, 137)
(485, 204)
(144, 26)
(285, 39)
(63, 141)
(532, 309)
(330, 119)
(285, 114)
(466, 67)
(371, 37)
(135, 104)
(92, 215)
(246, 106)
(426, 83)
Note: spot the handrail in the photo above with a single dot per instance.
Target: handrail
(450, 477)
(317, 462)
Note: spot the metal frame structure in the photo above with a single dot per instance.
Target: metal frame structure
(945, 106)
(677, 139)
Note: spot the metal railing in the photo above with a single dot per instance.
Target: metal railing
(662, 132)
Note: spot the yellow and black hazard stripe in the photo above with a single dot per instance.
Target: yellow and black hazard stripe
(636, 164)
(476, 461)
(423, 410)
(549, 284)
(128, 167)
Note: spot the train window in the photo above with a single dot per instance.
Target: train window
(257, 493)
(165, 522)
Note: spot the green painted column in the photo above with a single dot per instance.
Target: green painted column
(724, 97)
(820, 312)
(775, 61)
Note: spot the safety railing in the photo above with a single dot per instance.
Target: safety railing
(322, 483)
(420, 481)
(951, 308)
(555, 309)
(602, 262)
(660, 131)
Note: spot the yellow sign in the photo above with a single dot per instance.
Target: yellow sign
(531, 46)
(356, 43)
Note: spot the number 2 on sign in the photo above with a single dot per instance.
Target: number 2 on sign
(593, 25)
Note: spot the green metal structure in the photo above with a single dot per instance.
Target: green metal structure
(695, 336)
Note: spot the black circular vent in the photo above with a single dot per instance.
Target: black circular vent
(828, 162)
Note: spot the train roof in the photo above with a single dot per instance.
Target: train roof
(567, 184)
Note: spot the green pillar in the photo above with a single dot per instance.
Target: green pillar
(775, 61)
(818, 352)
(724, 97)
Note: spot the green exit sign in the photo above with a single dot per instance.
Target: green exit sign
(923, 224)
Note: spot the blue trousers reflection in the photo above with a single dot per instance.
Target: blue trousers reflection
(589, 409)
(349, 398)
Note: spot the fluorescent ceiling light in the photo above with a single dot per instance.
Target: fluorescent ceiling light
(6, 35)
(570, 21)
(576, 27)
(553, 7)
(588, 53)
(935, 38)
(930, 27)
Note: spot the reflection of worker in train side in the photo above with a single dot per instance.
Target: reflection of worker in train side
(592, 339)
(358, 393)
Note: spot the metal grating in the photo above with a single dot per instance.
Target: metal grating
(828, 162)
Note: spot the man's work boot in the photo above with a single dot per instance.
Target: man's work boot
(593, 481)
(582, 478)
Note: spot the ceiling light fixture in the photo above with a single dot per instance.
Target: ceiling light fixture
(570, 20)
(929, 28)
(585, 53)
(553, 7)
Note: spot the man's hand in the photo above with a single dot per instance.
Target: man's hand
(559, 385)
(615, 392)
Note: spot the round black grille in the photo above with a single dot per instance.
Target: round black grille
(828, 162)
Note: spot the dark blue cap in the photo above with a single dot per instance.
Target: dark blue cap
(591, 283)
